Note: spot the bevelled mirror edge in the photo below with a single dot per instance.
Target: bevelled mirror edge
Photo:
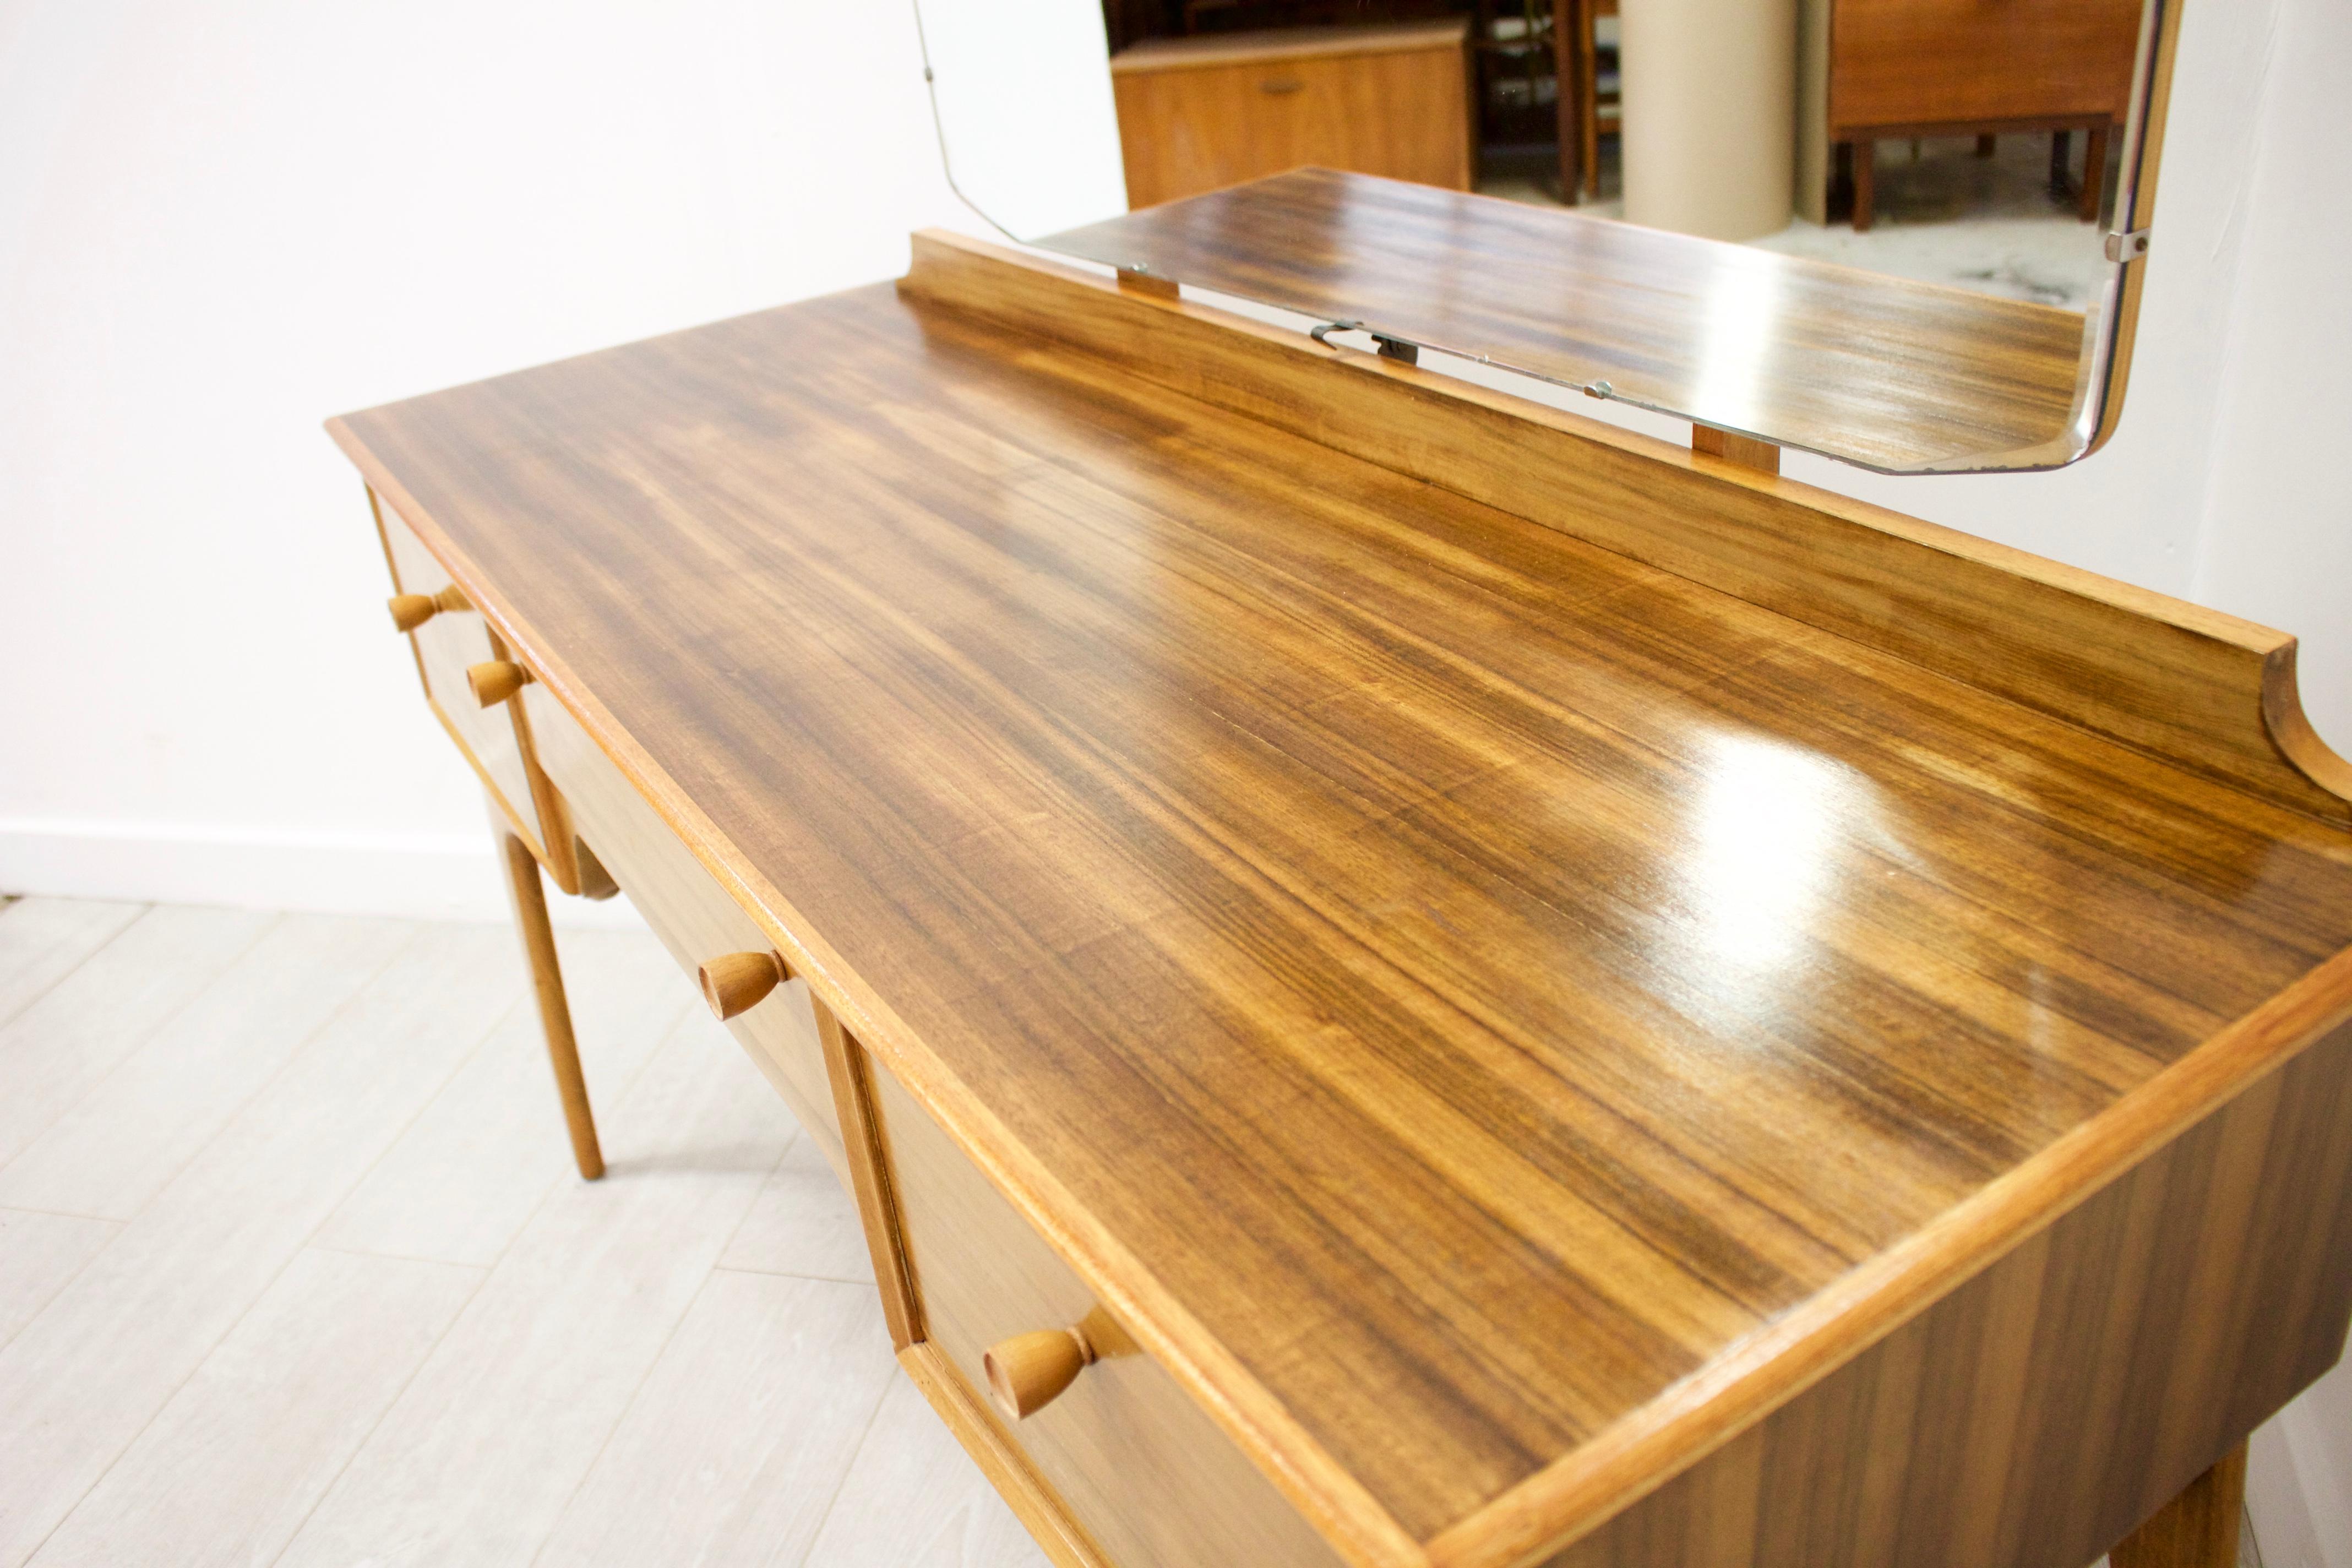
(2131, 233)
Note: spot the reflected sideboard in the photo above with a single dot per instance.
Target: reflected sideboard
(1404, 979)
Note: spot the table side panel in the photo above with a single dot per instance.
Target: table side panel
(446, 646)
(1139, 1466)
(691, 913)
(2037, 1415)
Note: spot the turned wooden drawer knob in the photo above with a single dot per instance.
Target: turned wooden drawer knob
(495, 681)
(736, 982)
(409, 611)
(1028, 1371)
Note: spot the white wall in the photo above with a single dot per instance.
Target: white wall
(2276, 545)
(2278, 539)
(221, 223)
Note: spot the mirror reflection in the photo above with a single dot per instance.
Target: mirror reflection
(1977, 147)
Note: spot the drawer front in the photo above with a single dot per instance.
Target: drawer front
(1135, 1461)
(1403, 115)
(446, 646)
(695, 919)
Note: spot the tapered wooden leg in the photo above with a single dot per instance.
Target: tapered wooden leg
(2198, 1529)
(529, 900)
(1865, 171)
(2094, 175)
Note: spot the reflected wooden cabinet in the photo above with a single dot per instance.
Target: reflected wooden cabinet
(1940, 67)
(1198, 113)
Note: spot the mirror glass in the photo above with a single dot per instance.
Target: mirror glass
(1030, 162)
(1902, 233)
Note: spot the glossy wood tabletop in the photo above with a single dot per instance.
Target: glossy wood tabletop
(1481, 979)
(1883, 371)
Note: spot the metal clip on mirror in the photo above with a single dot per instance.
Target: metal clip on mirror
(1390, 348)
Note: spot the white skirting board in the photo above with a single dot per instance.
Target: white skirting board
(445, 877)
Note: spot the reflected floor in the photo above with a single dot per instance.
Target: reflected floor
(1944, 215)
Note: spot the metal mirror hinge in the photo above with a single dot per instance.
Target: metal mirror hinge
(1390, 348)
(2127, 245)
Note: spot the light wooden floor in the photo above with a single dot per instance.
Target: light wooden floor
(294, 1268)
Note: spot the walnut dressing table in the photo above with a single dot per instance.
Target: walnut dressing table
(1403, 979)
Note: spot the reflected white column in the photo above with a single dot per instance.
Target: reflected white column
(1710, 116)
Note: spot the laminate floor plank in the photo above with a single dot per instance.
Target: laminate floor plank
(81, 1380)
(42, 941)
(39, 1254)
(476, 1460)
(122, 1142)
(462, 1183)
(228, 1470)
(57, 1047)
(731, 1453)
(913, 1499)
(802, 1224)
(684, 1362)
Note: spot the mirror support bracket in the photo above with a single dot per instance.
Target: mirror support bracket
(1399, 349)
(2127, 245)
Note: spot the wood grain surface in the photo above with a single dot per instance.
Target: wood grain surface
(2207, 691)
(1884, 371)
(2038, 1414)
(1905, 62)
(1138, 1467)
(490, 738)
(1455, 992)
(1198, 113)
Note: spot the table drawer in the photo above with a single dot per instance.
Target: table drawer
(694, 917)
(494, 739)
(1141, 1468)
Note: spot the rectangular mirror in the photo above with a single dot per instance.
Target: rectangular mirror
(1904, 234)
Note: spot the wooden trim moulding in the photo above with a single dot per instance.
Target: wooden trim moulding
(869, 1173)
(392, 569)
(2205, 691)
(549, 810)
(548, 833)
